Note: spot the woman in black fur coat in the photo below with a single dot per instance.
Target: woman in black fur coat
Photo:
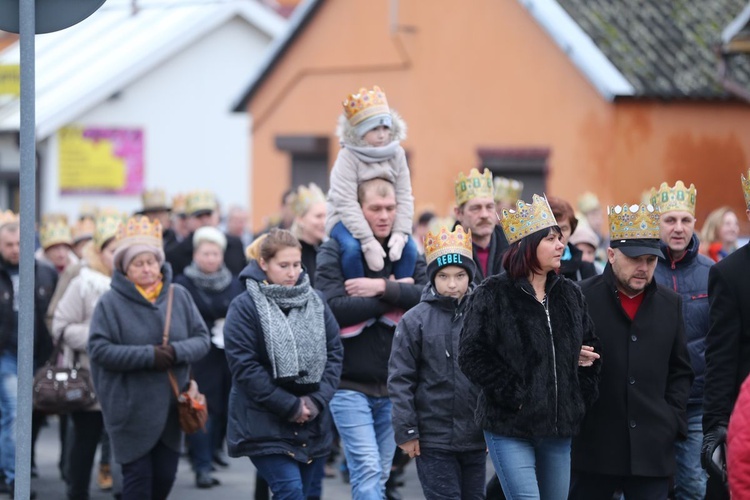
(529, 345)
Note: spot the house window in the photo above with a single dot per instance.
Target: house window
(309, 155)
(528, 165)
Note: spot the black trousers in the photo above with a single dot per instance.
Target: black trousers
(587, 486)
(447, 475)
(150, 477)
(87, 432)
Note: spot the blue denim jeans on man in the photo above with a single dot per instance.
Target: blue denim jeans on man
(690, 478)
(8, 403)
(364, 425)
(352, 263)
(531, 468)
(287, 478)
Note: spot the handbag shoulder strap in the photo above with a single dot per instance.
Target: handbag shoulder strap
(168, 320)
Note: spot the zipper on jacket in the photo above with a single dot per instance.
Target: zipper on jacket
(545, 305)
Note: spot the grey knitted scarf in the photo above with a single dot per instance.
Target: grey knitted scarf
(372, 154)
(212, 282)
(295, 341)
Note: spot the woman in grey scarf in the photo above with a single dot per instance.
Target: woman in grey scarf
(282, 344)
(212, 287)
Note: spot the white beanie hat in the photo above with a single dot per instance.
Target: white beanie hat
(211, 235)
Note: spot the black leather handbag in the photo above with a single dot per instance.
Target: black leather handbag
(62, 390)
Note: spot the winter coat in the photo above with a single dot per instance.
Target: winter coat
(498, 246)
(738, 445)
(366, 355)
(576, 268)
(309, 256)
(180, 255)
(45, 281)
(523, 356)
(138, 405)
(260, 409)
(728, 339)
(644, 386)
(73, 315)
(349, 172)
(689, 278)
(432, 399)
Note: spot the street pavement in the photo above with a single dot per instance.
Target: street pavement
(237, 481)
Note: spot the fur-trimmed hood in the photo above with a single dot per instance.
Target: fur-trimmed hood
(347, 134)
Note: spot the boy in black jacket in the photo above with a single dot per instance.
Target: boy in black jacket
(433, 401)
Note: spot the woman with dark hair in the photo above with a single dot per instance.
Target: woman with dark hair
(282, 344)
(572, 265)
(529, 345)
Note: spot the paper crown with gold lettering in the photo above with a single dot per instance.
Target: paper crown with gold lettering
(476, 185)
(107, 222)
(153, 200)
(365, 104)
(678, 197)
(527, 218)
(139, 230)
(507, 190)
(305, 197)
(55, 232)
(83, 230)
(746, 187)
(8, 217)
(200, 202)
(179, 204)
(634, 229)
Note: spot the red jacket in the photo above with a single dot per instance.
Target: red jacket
(738, 445)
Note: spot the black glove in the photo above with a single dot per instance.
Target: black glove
(163, 357)
(712, 440)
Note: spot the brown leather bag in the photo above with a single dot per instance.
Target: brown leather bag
(191, 404)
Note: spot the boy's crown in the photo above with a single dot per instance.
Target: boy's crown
(445, 242)
(55, 232)
(628, 222)
(678, 197)
(527, 219)
(365, 104)
(476, 185)
(140, 230)
(507, 190)
(307, 196)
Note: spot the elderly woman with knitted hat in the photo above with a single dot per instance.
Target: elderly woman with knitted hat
(130, 357)
(212, 287)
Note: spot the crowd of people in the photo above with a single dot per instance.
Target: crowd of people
(586, 363)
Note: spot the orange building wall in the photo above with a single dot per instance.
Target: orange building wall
(484, 74)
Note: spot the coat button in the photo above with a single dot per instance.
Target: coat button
(633, 338)
(295, 433)
(304, 445)
(632, 424)
(631, 380)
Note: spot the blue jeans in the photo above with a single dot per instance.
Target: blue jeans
(531, 468)
(690, 478)
(287, 478)
(448, 475)
(8, 403)
(152, 476)
(352, 260)
(201, 446)
(364, 425)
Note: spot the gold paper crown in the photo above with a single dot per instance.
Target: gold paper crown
(507, 190)
(55, 232)
(154, 200)
(445, 242)
(678, 197)
(476, 185)
(438, 222)
(107, 222)
(367, 103)
(198, 201)
(179, 204)
(527, 219)
(746, 187)
(628, 222)
(83, 229)
(50, 217)
(8, 217)
(588, 202)
(139, 230)
(305, 197)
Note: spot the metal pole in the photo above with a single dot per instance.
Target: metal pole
(27, 24)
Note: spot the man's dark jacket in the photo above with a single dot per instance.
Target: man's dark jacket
(644, 386)
(688, 277)
(366, 355)
(576, 268)
(45, 282)
(498, 246)
(433, 401)
(728, 339)
(181, 255)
